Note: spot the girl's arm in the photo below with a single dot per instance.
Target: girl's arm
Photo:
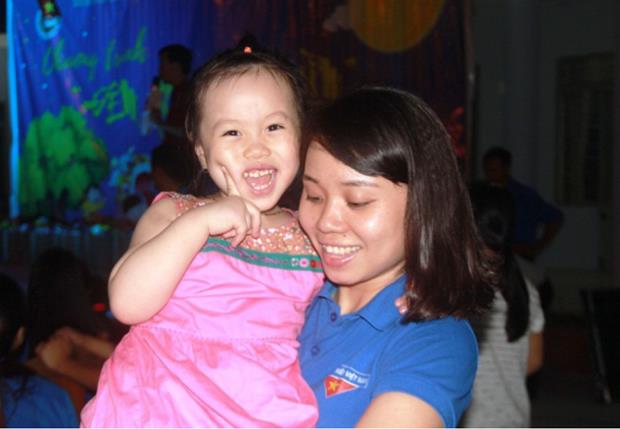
(396, 409)
(162, 247)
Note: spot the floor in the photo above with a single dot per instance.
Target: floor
(570, 400)
(567, 395)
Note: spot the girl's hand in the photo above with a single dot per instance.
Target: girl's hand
(236, 216)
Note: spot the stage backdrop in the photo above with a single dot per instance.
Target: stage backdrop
(80, 71)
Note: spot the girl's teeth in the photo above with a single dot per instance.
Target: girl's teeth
(259, 179)
(257, 173)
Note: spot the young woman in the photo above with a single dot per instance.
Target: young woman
(386, 209)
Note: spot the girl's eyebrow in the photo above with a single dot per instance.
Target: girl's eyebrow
(279, 113)
(353, 183)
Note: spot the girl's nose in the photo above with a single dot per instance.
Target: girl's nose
(257, 149)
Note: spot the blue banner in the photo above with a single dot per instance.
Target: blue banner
(80, 72)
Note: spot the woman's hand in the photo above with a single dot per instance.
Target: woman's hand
(70, 334)
(401, 304)
(55, 352)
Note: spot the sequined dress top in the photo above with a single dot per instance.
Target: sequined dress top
(223, 351)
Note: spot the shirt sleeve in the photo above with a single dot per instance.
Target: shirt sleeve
(547, 212)
(435, 361)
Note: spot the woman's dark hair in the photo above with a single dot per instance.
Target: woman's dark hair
(59, 294)
(494, 213)
(390, 133)
(247, 57)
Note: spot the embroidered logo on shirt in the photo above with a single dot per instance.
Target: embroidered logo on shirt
(344, 379)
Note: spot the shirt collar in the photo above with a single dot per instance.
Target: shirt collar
(381, 310)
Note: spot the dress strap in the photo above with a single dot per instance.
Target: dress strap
(184, 202)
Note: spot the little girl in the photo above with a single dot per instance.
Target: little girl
(216, 288)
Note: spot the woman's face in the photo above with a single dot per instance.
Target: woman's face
(356, 222)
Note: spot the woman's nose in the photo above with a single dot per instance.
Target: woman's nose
(330, 219)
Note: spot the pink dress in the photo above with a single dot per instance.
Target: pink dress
(223, 350)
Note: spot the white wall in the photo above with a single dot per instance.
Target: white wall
(516, 46)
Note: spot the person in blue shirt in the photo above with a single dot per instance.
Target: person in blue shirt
(26, 399)
(385, 206)
(537, 222)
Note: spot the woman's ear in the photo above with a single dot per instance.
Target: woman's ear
(19, 338)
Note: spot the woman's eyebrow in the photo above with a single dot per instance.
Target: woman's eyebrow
(310, 179)
(353, 183)
(359, 182)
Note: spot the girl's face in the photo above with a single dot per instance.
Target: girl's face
(249, 126)
(356, 222)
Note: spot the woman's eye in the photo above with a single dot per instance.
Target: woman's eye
(274, 127)
(313, 198)
(233, 133)
(358, 204)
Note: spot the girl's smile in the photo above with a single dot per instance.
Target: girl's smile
(251, 129)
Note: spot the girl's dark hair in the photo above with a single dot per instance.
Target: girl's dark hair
(390, 133)
(233, 63)
(59, 294)
(494, 213)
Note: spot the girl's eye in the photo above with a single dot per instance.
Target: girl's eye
(233, 133)
(274, 127)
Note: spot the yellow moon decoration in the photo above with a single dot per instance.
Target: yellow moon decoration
(393, 25)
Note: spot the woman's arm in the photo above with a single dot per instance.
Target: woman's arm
(396, 409)
(535, 355)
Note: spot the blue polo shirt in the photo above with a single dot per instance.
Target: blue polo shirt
(530, 212)
(348, 360)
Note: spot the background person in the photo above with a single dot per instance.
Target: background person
(26, 399)
(175, 65)
(532, 212)
(511, 334)
(60, 291)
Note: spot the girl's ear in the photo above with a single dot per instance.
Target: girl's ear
(202, 157)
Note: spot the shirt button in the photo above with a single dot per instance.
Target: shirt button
(333, 317)
(315, 350)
